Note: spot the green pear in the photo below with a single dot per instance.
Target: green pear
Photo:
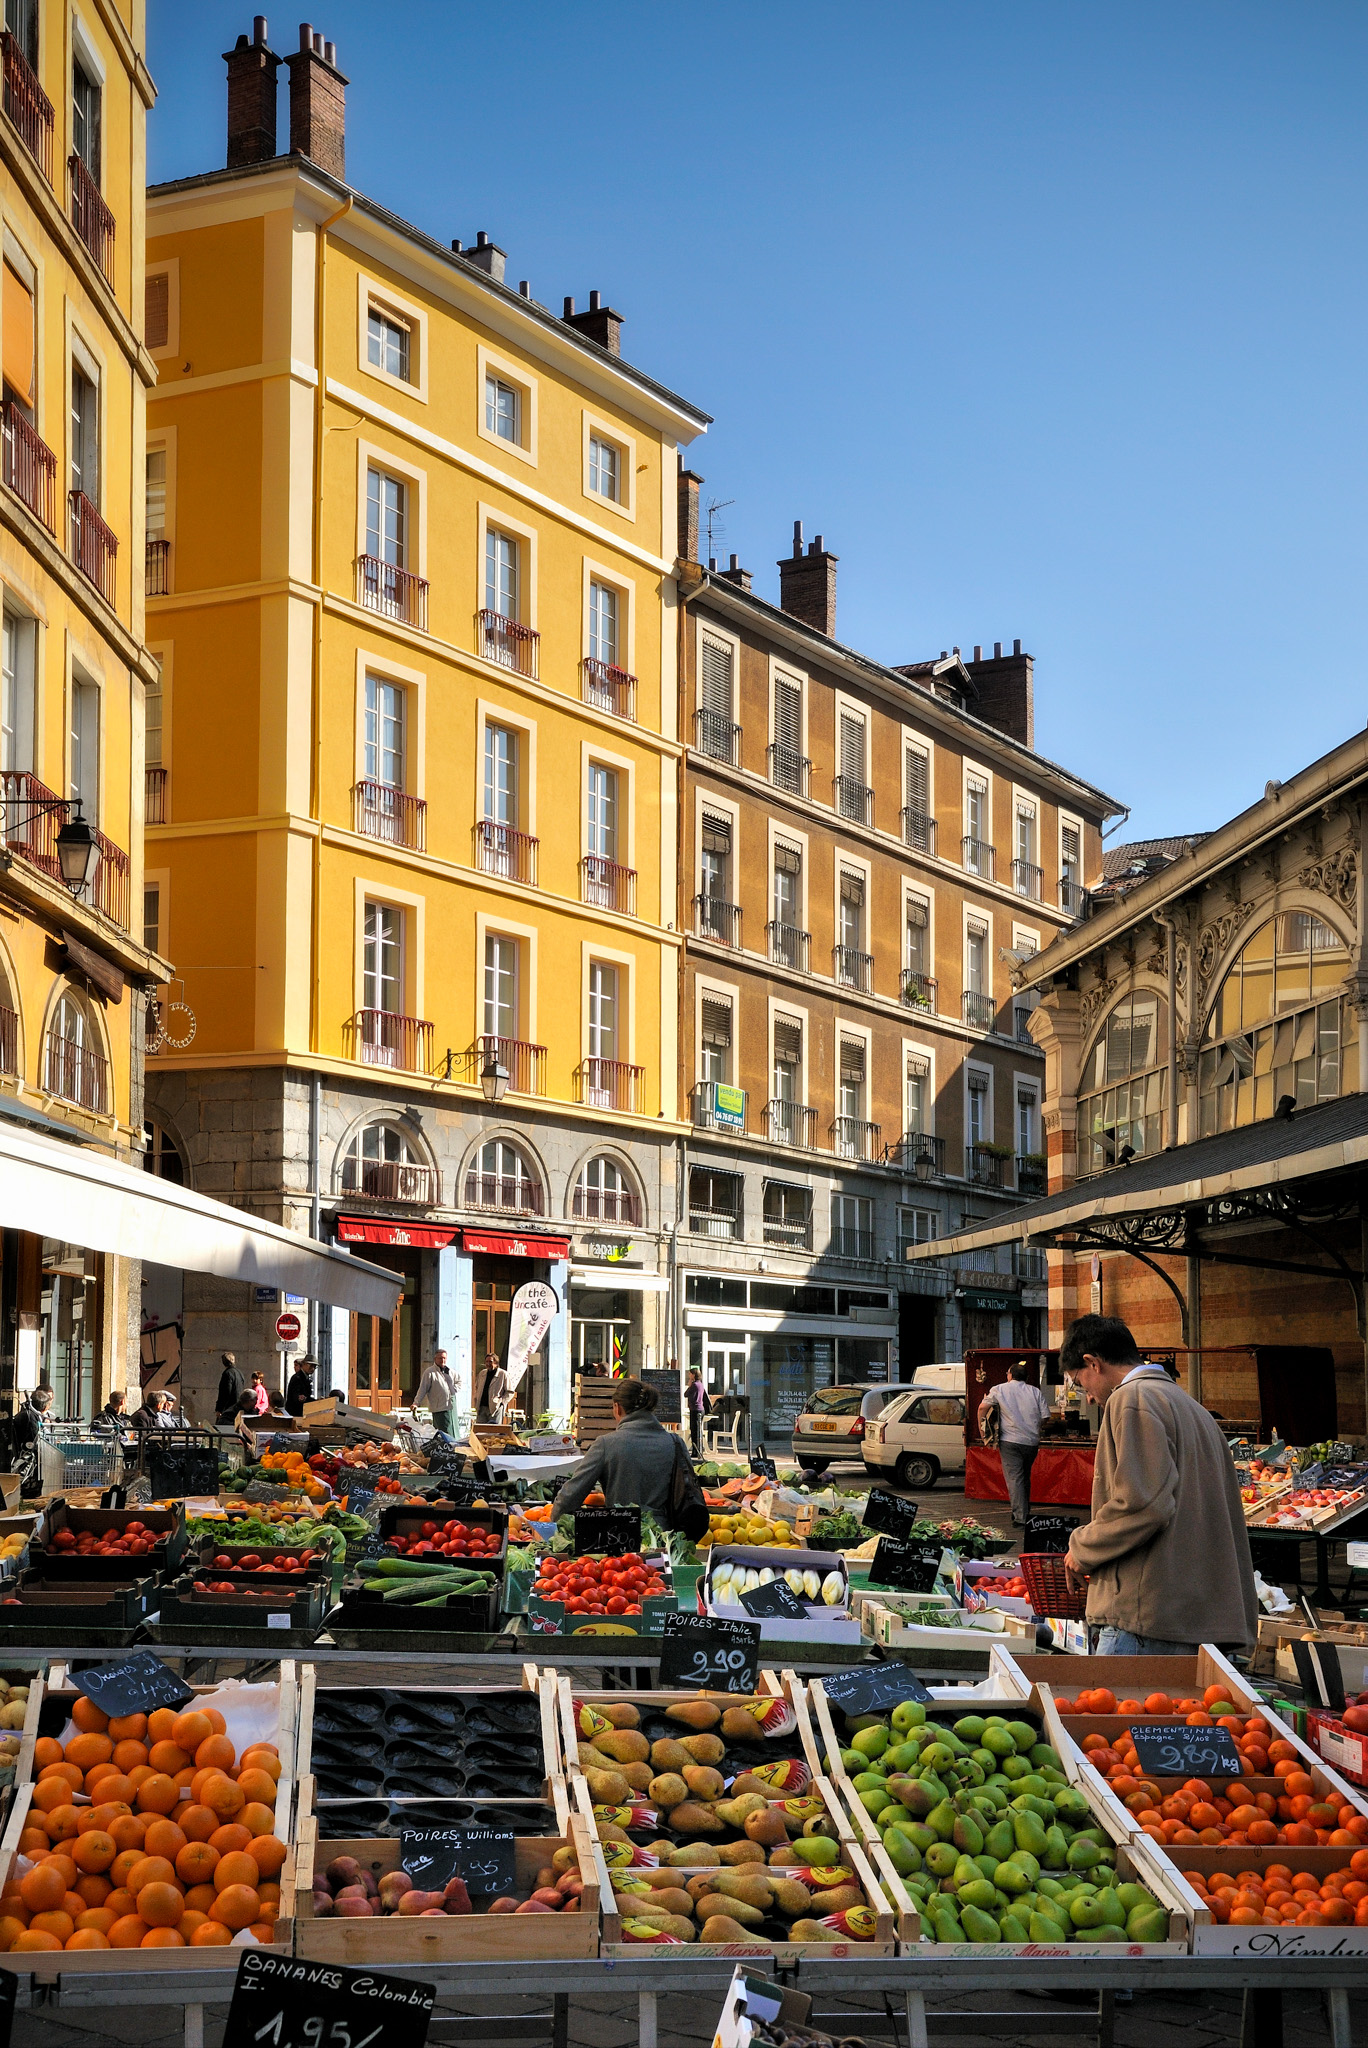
(941, 1859)
(980, 1893)
(1012, 1877)
(942, 1819)
(903, 1853)
(1147, 1923)
(908, 1714)
(979, 1926)
(1043, 1755)
(1015, 1927)
(871, 1741)
(967, 1835)
(1042, 1929)
(1085, 1909)
(970, 1727)
(1023, 1735)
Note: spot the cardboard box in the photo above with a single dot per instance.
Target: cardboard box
(822, 1625)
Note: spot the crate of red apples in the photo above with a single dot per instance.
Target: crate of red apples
(100, 1543)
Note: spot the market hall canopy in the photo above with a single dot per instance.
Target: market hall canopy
(70, 1193)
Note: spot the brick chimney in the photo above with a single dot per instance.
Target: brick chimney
(600, 323)
(807, 583)
(734, 573)
(251, 98)
(690, 484)
(1006, 691)
(318, 103)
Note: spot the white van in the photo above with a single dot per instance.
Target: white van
(920, 1436)
(949, 1378)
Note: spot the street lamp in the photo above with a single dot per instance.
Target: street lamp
(493, 1080)
(78, 853)
(922, 1165)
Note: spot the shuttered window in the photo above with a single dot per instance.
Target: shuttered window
(717, 1021)
(788, 1042)
(788, 860)
(1071, 852)
(852, 748)
(18, 337)
(716, 833)
(977, 928)
(717, 679)
(917, 781)
(852, 1059)
(788, 715)
(157, 309)
(918, 921)
(852, 888)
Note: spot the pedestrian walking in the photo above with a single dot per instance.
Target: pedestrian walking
(1021, 1408)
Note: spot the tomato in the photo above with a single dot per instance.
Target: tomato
(616, 1604)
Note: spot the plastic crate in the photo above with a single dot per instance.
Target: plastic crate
(1049, 1589)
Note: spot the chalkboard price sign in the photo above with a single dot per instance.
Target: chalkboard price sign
(278, 2003)
(703, 1650)
(909, 1567)
(1048, 1533)
(889, 1515)
(134, 1687)
(774, 1599)
(763, 1466)
(1171, 1749)
(868, 1689)
(607, 1532)
(482, 1856)
(175, 1470)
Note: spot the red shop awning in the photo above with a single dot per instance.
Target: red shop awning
(381, 1230)
(516, 1247)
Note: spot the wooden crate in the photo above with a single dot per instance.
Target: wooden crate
(1211, 1938)
(593, 1409)
(463, 1938)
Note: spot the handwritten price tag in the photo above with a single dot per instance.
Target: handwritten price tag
(134, 1687)
(482, 1856)
(704, 1650)
(1170, 1749)
(278, 2003)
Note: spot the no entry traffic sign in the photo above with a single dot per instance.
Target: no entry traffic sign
(287, 1327)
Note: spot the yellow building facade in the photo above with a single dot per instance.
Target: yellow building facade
(77, 677)
(412, 844)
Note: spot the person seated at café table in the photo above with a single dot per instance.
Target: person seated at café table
(111, 1420)
(157, 1412)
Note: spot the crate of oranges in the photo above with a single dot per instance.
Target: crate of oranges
(180, 1841)
(1271, 1902)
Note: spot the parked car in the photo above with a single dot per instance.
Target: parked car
(917, 1437)
(833, 1424)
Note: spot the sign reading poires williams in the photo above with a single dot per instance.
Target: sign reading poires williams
(288, 1326)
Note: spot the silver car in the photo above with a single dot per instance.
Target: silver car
(832, 1426)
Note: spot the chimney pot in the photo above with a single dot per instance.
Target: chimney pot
(595, 301)
(997, 650)
(945, 654)
(734, 573)
(251, 98)
(482, 240)
(569, 311)
(955, 652)
(318, 103)
(306, 35)
(807, 583)
(455, 245)
(330, 53)
(488, 256)
(1016, 647)
(978, 652)
(600, 323)
(735, 562)
(258, 28)
(318, 43)
(797, 538)
(525, 287)
(712, 565)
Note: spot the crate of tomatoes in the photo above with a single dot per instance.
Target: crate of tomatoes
(436, 1528)
(627, 1595)
(101, 1543)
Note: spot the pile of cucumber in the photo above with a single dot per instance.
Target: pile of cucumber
(400, 1579)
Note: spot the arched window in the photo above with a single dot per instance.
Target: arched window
(499, 1177)
(380, 1161)
(1121, 1096)
(9, 1025)
(74, 1063)
(161, 1155)
(1278, 1025)
(603, 1194)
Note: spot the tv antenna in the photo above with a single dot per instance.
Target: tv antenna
(716, 526)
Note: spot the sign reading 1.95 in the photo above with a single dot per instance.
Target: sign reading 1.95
(704, 1650)
(278, 2003)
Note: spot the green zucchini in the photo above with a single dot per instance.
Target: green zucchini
(409, 1567)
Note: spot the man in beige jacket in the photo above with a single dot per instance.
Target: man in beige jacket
(1165, 1555)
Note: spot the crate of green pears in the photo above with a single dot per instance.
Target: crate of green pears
(990, 1841)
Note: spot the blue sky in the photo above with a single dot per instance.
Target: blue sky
(1049, 317)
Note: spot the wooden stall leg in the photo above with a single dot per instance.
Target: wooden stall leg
(194, 2026)
(646, 2019)
(1337, 2013)
(916, 2020)
(1106, 2019)
(1261, 2020)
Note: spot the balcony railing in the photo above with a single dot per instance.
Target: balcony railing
(30, 466)
(90, 217)
(1073, 897)
(397, 1180)
(918, 830)
(609, 1084)
(714, 1222)
(383, 812)
(1031, 1176)
(508, 642)
(27, 105)
(606, 1205)
(94, 546)
(849, 1243)
(982, 1167)
(979, 858)
(1029, 1262)
(790, 1123)
(789, 769)
(76, 1072)
(607, 884)
(793, 1237)
(608, 688)
(500, 850)
(383, 1038)
(918, 1153)
(918, 990)
(716, 920)
(717, 736)
(9, 1041)
(155, 582)
(1027, 879)
(851, 968)
(714, 1106)
(524, 1063)
(978, 1009)
(397, 593)
(853, 800)
(29, 832)
(852, 1138)
(109, 890)
(789, 947)
(515, 1192)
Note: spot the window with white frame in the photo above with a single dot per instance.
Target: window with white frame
(788, 939)
(603, 623)
(382, 958)
(85, 747)
(852, 1092)
(499, 1177)
(976, 957)
(500, 774)
(85, 116)
(976, 1122)
(603, 1010)
(155, 494)
(852, 1226)
(386, 519)
(715, 857)
(502, 594)
(17, 692)
(75, 1066)
(916, 1226)
(503, 409)
(601, 822)
(787, 1215)
(380, 1160)
(715, 1039)
(383, 747)
(852, 961)
(387, 342)
(1025, 862)
(1070, 868)
(1027, 1130)
(918, 983)
(977, 849)
(152, 917)
(605, 468)
(787, 1117)
(85, 435)
(603, 1193)
(500, 1006)
(917, 1095)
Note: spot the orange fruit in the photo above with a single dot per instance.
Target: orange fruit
(215, 1720)
(46, 1750)
(50, 1792)
(74, 1904)
(191, 1730)
(269, 1895)
(70, 1773)
(230, 1836)
(11, 1927)
(236, 1868)
(88, 1937)
(58, 1922)
(223, 1797)
(164, 1838)
(161, 1724)
(63, 1824)
(202, 1777)
(262, 1930)
(139, 1775)
(32, 1842)
(57, 1860)
(35, 1937)
(121, 1901)
(211, 1934)
(197, 1823)
(42, 1888)
(129, 1752)
(161, 1905)
(125, 1863)
(89, 1718)
(96, 1776)
(94, 1889)
(258, 1819)
(85, 1750)
(268, 1853)
(149, 1870)
(259, 1758)
(98, 1918)
(168, 1757)
(129, 1830)
(117, 1791)
(127, 1725)
(128, 1932)
(215, 1752)
(258, 1785)
(159, 1794)
(196, 1863)
(199, 1898)
(184, 1780)
(94, 1852)
(236, 1906)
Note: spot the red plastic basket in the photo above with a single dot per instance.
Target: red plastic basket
(1047, 1588)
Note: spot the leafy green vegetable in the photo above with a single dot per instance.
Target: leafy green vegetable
(837, 1532)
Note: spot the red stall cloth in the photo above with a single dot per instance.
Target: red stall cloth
(1061, 1476)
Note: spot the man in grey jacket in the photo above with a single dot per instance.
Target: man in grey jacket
(632, 1464)
(1166, 1554)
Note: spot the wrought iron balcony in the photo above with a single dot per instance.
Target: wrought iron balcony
(716, 920)
(384, 1038)
(109, 889)
(978, 1009)
(76, 1073)
(850, 1243)
(917, 1153)
(789, 947)
(514, 1193)
(394, 592)
(1027, 879)
(609, 1084)
(1073, 897)
(1031, 1175)
(918, 830)
(790, 1123)
(524, 1063)
(91, 218)
(509, 643)
(501, 850)
(154, 795)
(608, 688)
(714, 1106)
(30, 466)
(918, 990)
(158, 570)
(853, 799)
(94, 546)
(607, 884)
(852, 968)
(979, 858)
(789, 769)
(853, 1138)
(983, 1167)
(29, 830)
(606, 1205)
(398, 1180)
(9, 1041)
(714, 1222)
(717, 737)
(27, 105)
(793, 1237)
(383, 812)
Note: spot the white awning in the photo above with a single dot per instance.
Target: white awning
(69, 1192)
(620, 1278)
